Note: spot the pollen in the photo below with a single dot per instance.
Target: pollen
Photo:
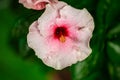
(62, 38)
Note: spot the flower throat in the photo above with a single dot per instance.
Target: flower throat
(60, 33)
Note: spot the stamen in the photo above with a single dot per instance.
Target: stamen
(62, 38)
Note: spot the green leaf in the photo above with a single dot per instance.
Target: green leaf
(114, 33)
(13, 67)
(112, 15)
(114, 71)
(107, 15)
(113, 50)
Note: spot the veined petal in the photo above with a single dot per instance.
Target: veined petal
(34, 38)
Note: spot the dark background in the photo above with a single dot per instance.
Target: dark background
(18, 61)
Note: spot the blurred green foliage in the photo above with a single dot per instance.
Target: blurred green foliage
(18, 61)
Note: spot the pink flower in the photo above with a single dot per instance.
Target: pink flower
(60, 37)
(36, 4)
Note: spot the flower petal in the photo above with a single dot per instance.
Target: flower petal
(81, 17)
(83, 25)
(36, 4)
(34, 39)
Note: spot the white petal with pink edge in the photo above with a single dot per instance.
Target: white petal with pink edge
(61, 36)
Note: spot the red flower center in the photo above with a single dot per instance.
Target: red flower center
(60, 33)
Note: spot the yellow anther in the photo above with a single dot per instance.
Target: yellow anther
(62, 38)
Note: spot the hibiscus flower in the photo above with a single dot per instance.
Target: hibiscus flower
(61, 36)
